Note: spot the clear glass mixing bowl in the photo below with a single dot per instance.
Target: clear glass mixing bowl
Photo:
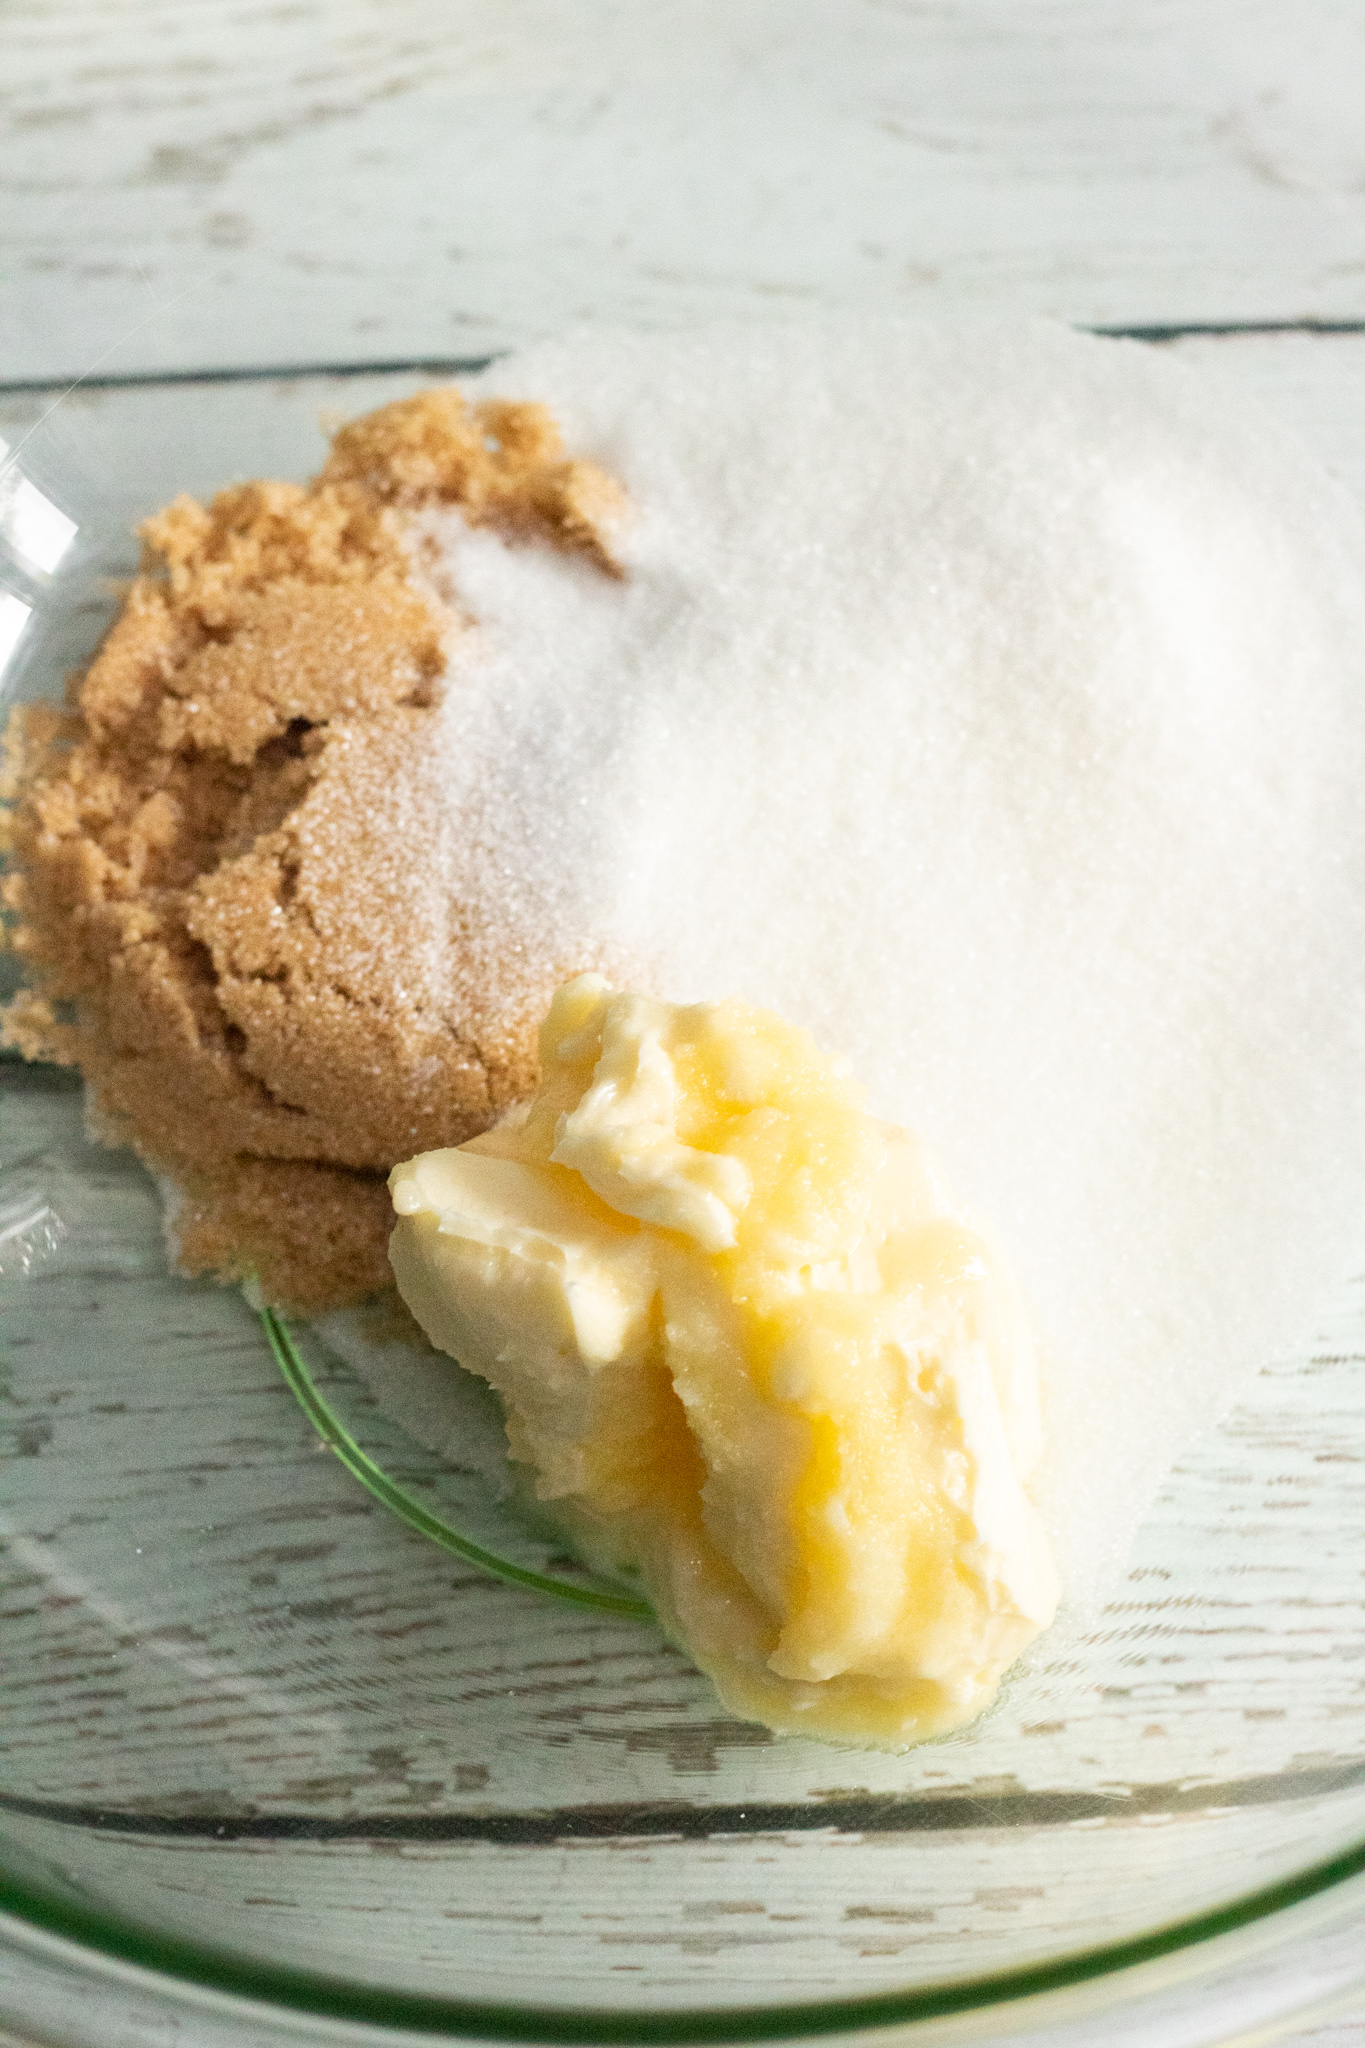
(278, 1765)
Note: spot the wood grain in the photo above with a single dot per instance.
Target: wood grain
(196, 185)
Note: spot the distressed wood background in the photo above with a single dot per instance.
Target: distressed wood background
(222, 183)
(194, 188)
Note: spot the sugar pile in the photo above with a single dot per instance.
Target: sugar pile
(989, 701)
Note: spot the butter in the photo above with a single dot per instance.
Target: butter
(751, 1356)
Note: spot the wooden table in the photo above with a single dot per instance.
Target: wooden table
(218, 190)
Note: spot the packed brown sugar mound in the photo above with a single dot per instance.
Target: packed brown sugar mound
(214, 847)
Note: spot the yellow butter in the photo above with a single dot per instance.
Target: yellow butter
(752, 1355)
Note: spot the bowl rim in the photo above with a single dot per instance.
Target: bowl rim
(318, 1996)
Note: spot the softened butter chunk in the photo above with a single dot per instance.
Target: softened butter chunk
(752, 1357)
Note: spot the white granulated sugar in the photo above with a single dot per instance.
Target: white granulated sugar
(992, 702)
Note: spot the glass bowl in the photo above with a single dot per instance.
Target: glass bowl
(279, 1766)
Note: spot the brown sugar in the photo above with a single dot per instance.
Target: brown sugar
(211, 848)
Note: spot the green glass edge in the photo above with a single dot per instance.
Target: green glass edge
(398, 1502)
(338, 1998)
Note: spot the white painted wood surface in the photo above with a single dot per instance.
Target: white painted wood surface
(190, 185)
(220, 183)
